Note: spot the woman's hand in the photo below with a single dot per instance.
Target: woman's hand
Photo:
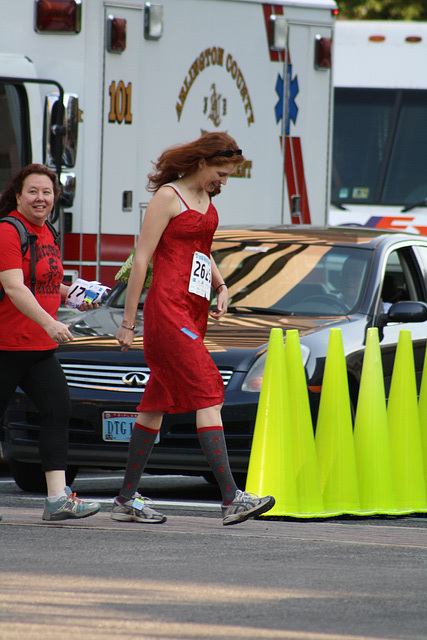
(58, 331)
(125, 337)
(85, 306)
(88, 306)
(221, 304)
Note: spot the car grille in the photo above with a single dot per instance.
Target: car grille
(113, 378)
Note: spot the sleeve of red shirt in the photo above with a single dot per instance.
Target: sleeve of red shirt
(10, 248)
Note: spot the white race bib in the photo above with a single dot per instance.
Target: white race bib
(83, 291)
(201, 276)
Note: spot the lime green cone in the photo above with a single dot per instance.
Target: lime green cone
(422, 406)
(371, 438)
(305, 456)
(404, 429)
(334, 434)
(271, 464)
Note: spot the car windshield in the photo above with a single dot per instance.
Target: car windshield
(287, 278)
(293, 278)
(379, 142)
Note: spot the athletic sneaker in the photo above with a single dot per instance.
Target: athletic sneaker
(136, 509)
(69, 507)
(245, 505)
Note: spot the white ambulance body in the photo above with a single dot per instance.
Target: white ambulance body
(150, 75)
(379, 174)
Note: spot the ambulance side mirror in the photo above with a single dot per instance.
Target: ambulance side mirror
(68, 184)
(66, 131)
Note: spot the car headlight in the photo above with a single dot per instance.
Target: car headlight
(253, 380)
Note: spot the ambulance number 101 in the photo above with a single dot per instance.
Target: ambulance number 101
(120, 102)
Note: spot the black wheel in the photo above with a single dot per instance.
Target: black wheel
(209, 477)
(30, 477)
(240, 479)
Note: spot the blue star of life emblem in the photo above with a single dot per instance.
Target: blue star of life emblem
(292, 107)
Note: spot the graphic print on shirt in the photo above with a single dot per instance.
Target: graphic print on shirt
(48, 268)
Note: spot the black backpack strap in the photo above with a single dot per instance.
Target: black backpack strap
(54, 232)
(33, 240)
(22, 230)
(27, 240)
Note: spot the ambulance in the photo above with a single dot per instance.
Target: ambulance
(97, 89)
(379, 169)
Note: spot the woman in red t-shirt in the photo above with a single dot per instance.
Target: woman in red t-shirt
(30, 331)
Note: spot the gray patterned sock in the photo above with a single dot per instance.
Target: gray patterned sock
(140, 447)
(213, 446)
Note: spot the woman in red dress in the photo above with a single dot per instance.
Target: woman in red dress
(177, 233)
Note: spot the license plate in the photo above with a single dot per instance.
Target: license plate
(117, 426)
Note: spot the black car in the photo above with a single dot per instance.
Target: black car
(293, 278)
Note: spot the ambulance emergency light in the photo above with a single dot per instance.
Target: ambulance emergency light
(57, 16)
(322, 53)
(116, 34)
(153, 21)
(277, 33)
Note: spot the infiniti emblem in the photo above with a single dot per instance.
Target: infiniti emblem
(135, 379)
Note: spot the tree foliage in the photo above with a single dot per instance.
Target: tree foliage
(383, 9)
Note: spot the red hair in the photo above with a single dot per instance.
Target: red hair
(183, 159)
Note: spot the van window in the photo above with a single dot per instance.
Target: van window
(379, 142)
(14, 131)
(406, 178)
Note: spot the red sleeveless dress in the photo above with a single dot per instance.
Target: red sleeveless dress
(183, 375)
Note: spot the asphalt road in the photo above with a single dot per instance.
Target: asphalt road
(191, 578)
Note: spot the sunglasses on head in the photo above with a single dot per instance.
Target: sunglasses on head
(228, 153)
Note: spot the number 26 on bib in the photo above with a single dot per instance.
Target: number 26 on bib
(201, 276)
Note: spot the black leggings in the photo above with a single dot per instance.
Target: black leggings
(40, 376)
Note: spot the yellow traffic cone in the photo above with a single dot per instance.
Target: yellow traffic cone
(404, 428)
(422, 406)
(334, 434)
(305, 457)
(271, 464)
(371, 439)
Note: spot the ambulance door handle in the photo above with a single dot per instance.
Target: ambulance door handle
(127, 200)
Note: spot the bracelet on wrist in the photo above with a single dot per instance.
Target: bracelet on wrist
(132, 328)
(220, 285)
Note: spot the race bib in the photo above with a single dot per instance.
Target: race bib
(83, 291)
(201, 276)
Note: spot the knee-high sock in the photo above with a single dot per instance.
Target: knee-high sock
(213, 446)
(140, 447)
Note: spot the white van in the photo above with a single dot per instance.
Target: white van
(379, 157)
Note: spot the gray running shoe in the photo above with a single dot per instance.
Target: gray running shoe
(137, 509)
(69, 507)
(245, 505)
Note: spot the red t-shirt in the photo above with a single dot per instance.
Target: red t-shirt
(17, 332)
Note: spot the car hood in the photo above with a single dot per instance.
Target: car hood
(95, 331)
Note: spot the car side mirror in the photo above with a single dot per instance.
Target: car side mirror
(407, 311)
(404, 311)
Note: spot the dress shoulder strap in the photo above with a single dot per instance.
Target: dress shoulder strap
(179, 194)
